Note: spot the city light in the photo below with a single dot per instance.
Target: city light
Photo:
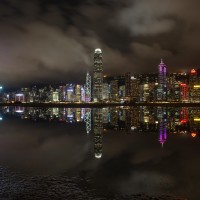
(196, 86)
(193, 71)
(193, 135)
(197, 119)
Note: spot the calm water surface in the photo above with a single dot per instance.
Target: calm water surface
(109, 153)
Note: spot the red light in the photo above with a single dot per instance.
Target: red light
(183, 121)
(193, 71)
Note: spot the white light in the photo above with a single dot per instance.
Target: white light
(98, 155)
(133, 78)
(133, 128)
(1, 118)
(98, 50)
(19, 95)
(1, 87)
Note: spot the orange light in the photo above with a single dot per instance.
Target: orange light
(193, 135)
(183, 84)
(193, 71)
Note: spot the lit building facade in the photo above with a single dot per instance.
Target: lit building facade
(162, 82)
(19, 97)
(88, 88)
(184, 92)
(106, 91)
(55, 96)
(78, 93)
(97, 76)
(134, 93)
(194, 86)
(114, 90)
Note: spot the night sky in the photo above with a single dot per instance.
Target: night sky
(54, 41)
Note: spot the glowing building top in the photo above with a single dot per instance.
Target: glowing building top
(97, 76)
(97, 50)
(162, 81)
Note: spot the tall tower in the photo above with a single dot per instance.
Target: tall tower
(162, 81)
(97, 76)
(88, 88)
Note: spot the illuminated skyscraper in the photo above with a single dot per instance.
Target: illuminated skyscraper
(97, 76)
(162, 82)
(88, 88)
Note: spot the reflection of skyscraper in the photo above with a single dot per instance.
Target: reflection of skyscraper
(97, 76)
(97, 128)
(87, 119)
(162, 118)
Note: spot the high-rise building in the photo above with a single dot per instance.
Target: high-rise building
(184, 92)
(70, 93)
(194, 86)
(128, 83)
(114, 90)
(78, 93)
(88, 88)
(19, 97)
(134, 89)
(55, 96)
(62, 92)
(97, 76)
(105, 94)
(162, 82)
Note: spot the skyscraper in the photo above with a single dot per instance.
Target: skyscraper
(162, 82)
(88, 88)
(97, 76)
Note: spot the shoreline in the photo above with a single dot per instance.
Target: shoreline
(102, 105)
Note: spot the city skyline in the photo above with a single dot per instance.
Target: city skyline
(54, 42)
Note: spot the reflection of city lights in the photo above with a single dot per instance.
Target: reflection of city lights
(19, 111)
(98, 155)
(133, 128)
(183, 121)
(193, 135)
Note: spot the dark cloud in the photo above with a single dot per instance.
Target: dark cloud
(62, 35)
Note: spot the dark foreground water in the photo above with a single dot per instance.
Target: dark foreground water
(124, 153)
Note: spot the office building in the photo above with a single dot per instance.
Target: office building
(97, 76)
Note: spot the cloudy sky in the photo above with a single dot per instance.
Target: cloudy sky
(53, 41)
